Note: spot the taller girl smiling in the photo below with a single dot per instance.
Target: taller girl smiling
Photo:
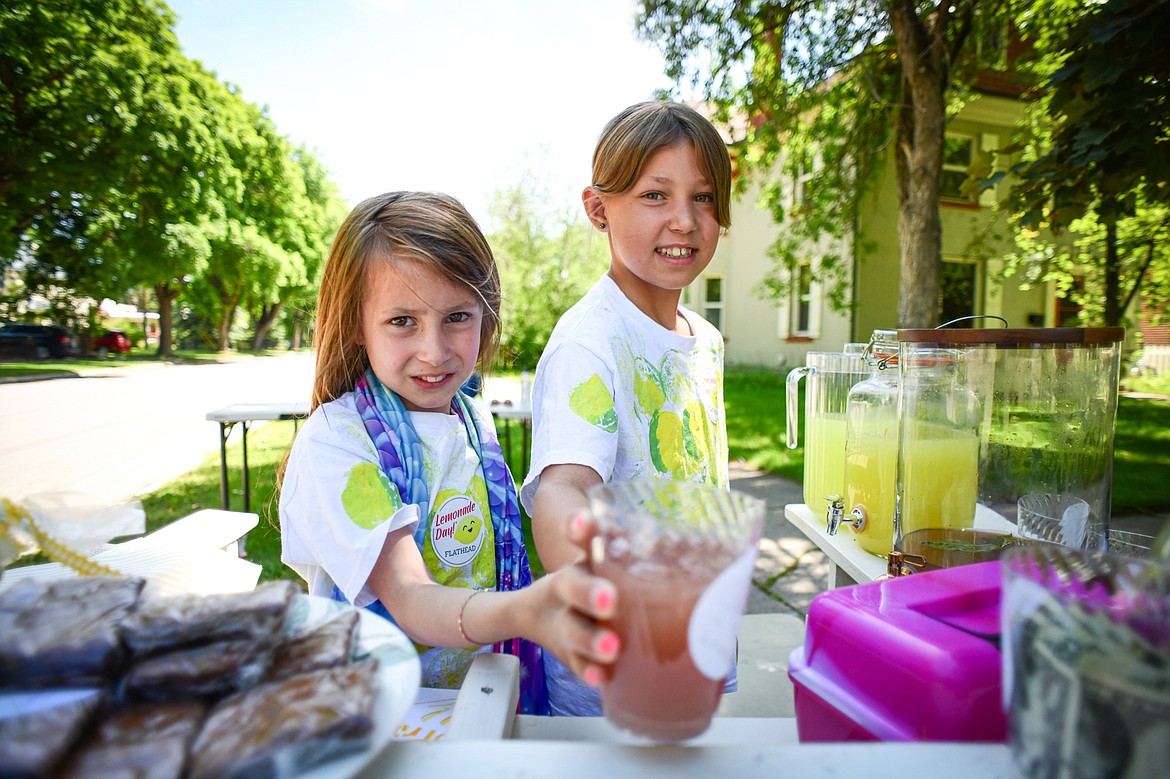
(631, 384)
(395, 494)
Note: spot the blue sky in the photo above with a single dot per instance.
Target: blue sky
(461, 96)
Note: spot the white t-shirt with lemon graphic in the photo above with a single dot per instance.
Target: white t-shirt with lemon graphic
(621, 394)
(337, 506)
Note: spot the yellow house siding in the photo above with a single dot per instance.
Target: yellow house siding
(755, 329)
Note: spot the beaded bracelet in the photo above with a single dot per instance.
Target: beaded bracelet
(462, 609)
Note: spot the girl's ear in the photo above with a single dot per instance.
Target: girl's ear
(594, 207)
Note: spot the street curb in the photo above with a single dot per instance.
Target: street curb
(116, 368)
(39, 377)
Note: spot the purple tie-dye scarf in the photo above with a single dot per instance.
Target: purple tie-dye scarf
(400, 455)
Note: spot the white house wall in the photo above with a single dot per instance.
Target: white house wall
(754, 328)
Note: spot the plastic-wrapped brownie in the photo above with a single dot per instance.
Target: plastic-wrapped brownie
(143, 741)
(64, 633)
(280, 728)
(165, 622)
(207, 670)
(327, 646)
(38, 729)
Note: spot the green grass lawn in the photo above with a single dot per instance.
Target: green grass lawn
(756, 433)
(267, 444)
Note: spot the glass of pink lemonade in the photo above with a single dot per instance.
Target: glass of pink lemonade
(681, 555)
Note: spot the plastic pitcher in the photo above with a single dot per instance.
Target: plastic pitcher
(830, 377)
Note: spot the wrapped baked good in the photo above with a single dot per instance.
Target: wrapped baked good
(64, 632)
(327, 646)
(209, 670)
(169, 621)
(38, 729)
(142, 741)
(280, 728)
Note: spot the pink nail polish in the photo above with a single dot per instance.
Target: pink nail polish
(607, 645)
(603, 599)
(592, 676)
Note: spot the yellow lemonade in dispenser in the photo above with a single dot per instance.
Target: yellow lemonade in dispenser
(824, 460)
(871, 481)
(940, 477)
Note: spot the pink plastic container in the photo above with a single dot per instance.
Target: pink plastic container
(915, 658)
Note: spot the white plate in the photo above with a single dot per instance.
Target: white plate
(398, 679)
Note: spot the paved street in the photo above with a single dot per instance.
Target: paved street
(124, 432)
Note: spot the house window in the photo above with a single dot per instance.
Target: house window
(802, 301)
(960, 288)
(805, 182)
(958, 154)
(992, 45)
(713, 300)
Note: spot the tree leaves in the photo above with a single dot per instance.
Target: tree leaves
(119, 151)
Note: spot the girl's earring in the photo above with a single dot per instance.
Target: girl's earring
(601, 225)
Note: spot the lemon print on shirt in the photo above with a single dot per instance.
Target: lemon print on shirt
(647, 390)
(696, 431)
(368, 498)
(667, 451)
(592, 401)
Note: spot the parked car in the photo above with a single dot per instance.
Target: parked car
(111, 341)
(39, 342)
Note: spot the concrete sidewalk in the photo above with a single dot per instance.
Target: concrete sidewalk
(790, 571)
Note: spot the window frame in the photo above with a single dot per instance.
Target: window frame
(973, 148)
(707, 305)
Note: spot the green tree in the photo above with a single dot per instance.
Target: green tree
(255, 246)
(1098, 156)
(318, 212)
(162, 215)
(123, 164)
(61, 264)
(828, 90)
(73, 78)
(547, 260)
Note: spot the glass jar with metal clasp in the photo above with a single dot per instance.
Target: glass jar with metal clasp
(868, 502)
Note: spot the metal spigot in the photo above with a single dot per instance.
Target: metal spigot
(836, 515)
(900, 563)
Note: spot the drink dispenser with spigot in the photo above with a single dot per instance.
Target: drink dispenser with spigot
(939, 418)
(1047, 400)
(830, 376)
(867, 503)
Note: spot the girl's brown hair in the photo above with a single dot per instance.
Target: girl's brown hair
(636, 133)
(430, 228)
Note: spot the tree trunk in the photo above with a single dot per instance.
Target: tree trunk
(1113, 309)
(222, 331)
(229, 301)
(166, 298)
(920, 130)
(298, 333)
(264, 324)
(919, 224)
